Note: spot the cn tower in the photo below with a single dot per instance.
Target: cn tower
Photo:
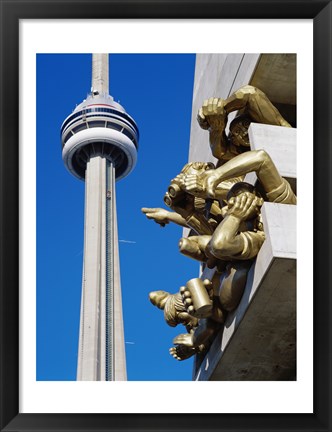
(99, 146)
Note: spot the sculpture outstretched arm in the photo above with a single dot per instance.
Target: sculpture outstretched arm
(212, 116)
(163, 217)
(256, 104)
(218, 143)
(206, 184)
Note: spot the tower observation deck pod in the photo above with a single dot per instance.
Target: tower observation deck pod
(99, 126)
(99, 145)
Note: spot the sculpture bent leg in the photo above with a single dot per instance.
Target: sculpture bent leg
(233, 283)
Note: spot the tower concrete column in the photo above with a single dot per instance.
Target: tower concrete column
(99, 145)
(91, 358)
(101, 345)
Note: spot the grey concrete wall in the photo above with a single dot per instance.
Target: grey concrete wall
(280, 144)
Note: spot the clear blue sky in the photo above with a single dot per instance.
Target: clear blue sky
(156, 90)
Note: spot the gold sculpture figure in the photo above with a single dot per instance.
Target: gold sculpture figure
(254, 106)
(175, 313)
(237, 233)
(188, 210)
(224, 214)
(238, 237)
(190, 305)
(229, 241)
(201, 298)
(225, 235)
(199, 331)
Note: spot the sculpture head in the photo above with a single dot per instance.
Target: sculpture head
(245, 188)
(238, 131)
(175, 193)
(159, 298)
(174, 310)
(239, 188)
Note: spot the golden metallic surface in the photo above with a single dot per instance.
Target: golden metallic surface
(224, 213)
(209, 184)
(196, 298)
(254, 106)
(192, 249)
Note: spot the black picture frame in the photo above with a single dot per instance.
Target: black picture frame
(11, 12)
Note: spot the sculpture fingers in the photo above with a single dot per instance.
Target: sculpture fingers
(259, 201)
(146, 210)
(211, 105)
(215, 105)
(220, 106)
(187, 300)
(201, 115)
(230, 203)
(210, 184)
(208, 285)
(205, 106)
(202, 120)
(247, 203)
(237, 204)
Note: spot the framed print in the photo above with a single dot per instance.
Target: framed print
(46, 51)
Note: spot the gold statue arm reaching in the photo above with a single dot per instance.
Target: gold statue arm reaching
(213, 116)
(188, 210)
(256, 104)
(214, 111)
(206, 184)
(192, 220)
(163, 217)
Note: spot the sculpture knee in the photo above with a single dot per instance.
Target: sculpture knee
(190, 247)
(233, 285)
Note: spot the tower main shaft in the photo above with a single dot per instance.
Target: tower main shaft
(101, 344)
(100, 142)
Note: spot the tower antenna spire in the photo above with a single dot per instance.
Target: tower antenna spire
(100, 74)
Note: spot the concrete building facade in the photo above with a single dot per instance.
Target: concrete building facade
(258, 339)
